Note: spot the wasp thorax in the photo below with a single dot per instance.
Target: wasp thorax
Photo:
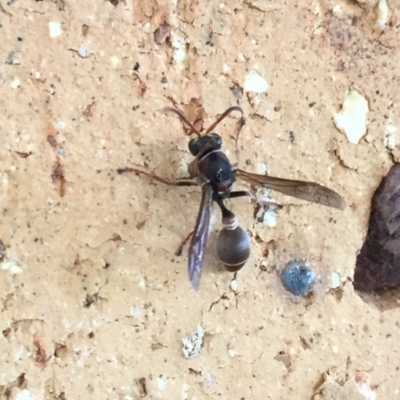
(233, 248)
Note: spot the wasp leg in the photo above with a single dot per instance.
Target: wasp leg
(183, 243)
(239, 127)
(178, 182)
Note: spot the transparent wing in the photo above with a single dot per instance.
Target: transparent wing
(199, 238)
(309, 191)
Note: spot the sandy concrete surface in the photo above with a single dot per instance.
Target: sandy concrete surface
(94, 302)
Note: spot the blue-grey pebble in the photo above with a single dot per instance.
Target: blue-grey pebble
(298, 277)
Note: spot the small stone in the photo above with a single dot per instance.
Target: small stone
(193, 343)
(14, 58)
(298, 277)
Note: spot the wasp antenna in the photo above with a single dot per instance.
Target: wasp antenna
(227, 112)
(183, 118)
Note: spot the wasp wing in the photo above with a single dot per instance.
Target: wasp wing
(309, 191)
(199, 238)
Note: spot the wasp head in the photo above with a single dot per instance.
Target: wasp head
(212, 140)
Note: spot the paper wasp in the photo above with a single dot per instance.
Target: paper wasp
(212, 170)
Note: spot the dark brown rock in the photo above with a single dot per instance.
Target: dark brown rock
(378, 264)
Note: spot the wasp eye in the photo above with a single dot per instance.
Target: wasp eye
(194, 146)
(217, 139)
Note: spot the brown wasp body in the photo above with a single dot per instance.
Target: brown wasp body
(212, 170)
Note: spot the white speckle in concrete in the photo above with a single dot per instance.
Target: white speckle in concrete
(15, 83)
(136, 312)
(14, 58)
(82, 51)
(193, 343)
(352, 119)
(207, 381)
(179, 45)
(142, 283)
(335, 280)
(335, 349)
(5, 179)
(261, 168)
(366, 391)
(383, 14)
(254, 82)
(160, 387)
(337, 9)
(55, 29)
(390, 135)
(263, 194)
(115, 62)
(234, 285)
(226, 69)
(270, 217)
(12, 267)
(59, 124)
(185, 390)
(231, 353)
(182, 168)
(24, 395)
